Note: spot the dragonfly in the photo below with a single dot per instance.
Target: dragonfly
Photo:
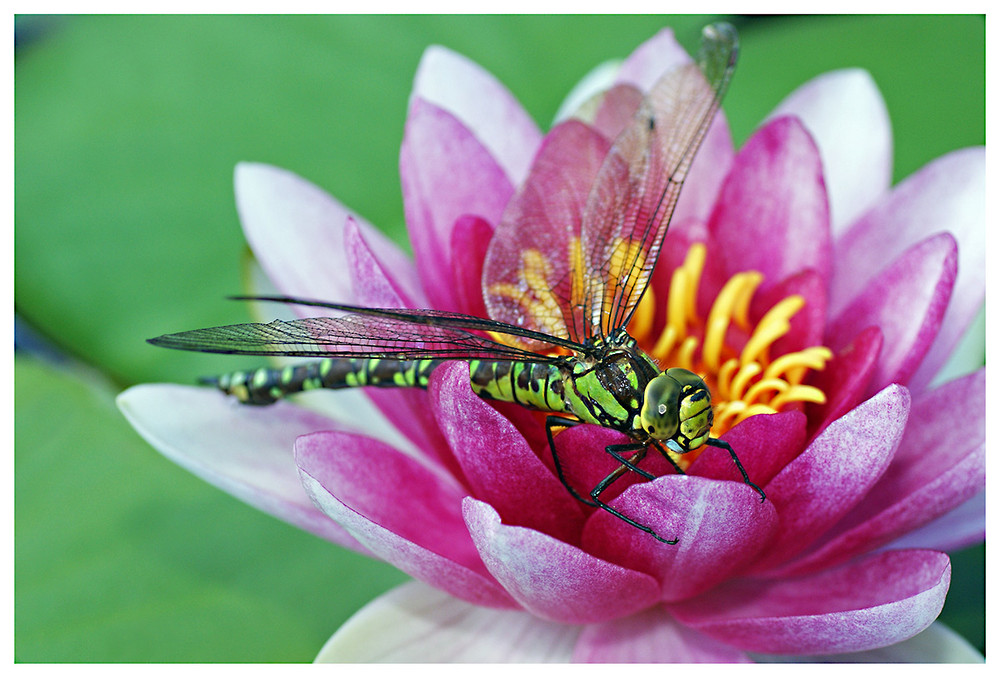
(559, 299)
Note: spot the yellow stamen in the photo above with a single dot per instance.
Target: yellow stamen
(731, 353)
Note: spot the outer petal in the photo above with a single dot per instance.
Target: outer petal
(772, 214)
(948, 194)
(395, 628)
(907, 302)
(500, 466)
(930, 474)
(719, 526)
(937, 644)
(246, 451)
(651, 636)
(405, 408)
(835, 472)
(880, 600)
(957, 529)
(847, 117)
(296, 232)
(446, 173)
(400, 510)
(651, 59)
(458, 85)
(551, 578)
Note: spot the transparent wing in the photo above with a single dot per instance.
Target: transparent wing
(635, 192)
(365, 332)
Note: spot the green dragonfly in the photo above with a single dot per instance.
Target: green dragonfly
(560, 347)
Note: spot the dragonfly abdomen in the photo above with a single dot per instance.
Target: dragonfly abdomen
(539, 386)
(267, 385)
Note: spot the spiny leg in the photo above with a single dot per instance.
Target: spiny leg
(552, 421)
(627, 465)
(722, 444)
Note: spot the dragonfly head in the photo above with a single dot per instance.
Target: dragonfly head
(677, 405)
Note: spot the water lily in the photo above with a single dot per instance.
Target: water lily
(806, 290)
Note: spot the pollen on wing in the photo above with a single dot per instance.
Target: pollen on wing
(745, 380)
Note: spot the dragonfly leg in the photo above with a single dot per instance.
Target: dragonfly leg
(550, 422)
(627, 465)
(722, 444)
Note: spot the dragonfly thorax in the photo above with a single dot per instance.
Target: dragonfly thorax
(677, 405)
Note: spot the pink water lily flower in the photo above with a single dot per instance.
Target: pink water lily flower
(807, 291)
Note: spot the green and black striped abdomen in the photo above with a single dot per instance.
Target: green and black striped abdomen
(266, 385)
(535, 385)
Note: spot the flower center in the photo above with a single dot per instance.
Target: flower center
(733, 357)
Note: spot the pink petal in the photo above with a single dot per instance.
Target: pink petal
(719, 526)
(397, 626)
(446, 173)
(958, 529)
(937, 644)
(931, 473)
(617, 107)
(405, 408)
(808, 326)
(469, 243)
(772, 215)
(500, 467)
(552, 579)
(401, 511)
(877, 601)
(835, 472)
(847, 117)
(652, 59)
(651, 636)
(245, 451)
(482, 104)
(296, 232)
(907, 302)
(845, 379)
(948, 194)
(765, 444)
(374, 282)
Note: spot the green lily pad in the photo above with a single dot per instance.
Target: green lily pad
(120, 556)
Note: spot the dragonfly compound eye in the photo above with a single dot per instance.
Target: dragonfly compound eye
(660, 416)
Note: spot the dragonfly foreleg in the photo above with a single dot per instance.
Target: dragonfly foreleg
(722, 444)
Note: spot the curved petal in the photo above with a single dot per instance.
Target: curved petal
(845, 379)
(500, 467)
(245, 451)
(469, 243)
(296, 232)
(395, 628)
(374, 282)
(460, 86)
(927, 477)
(877, 601)
(765, 444)
(835, 472)
(651, 636)
(948, 194)
(937, 644)
(552, 579)
(651, 59)
(446, 173)
(405, 408)
(400, 510)
(719, 526)
(958, 529)
(847, 117)
(772, 214)
(907, 302)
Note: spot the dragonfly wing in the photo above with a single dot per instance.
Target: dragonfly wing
(629, 208)
(533, 271)
(377, 333)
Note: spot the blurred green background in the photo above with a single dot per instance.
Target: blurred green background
(127, 130)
